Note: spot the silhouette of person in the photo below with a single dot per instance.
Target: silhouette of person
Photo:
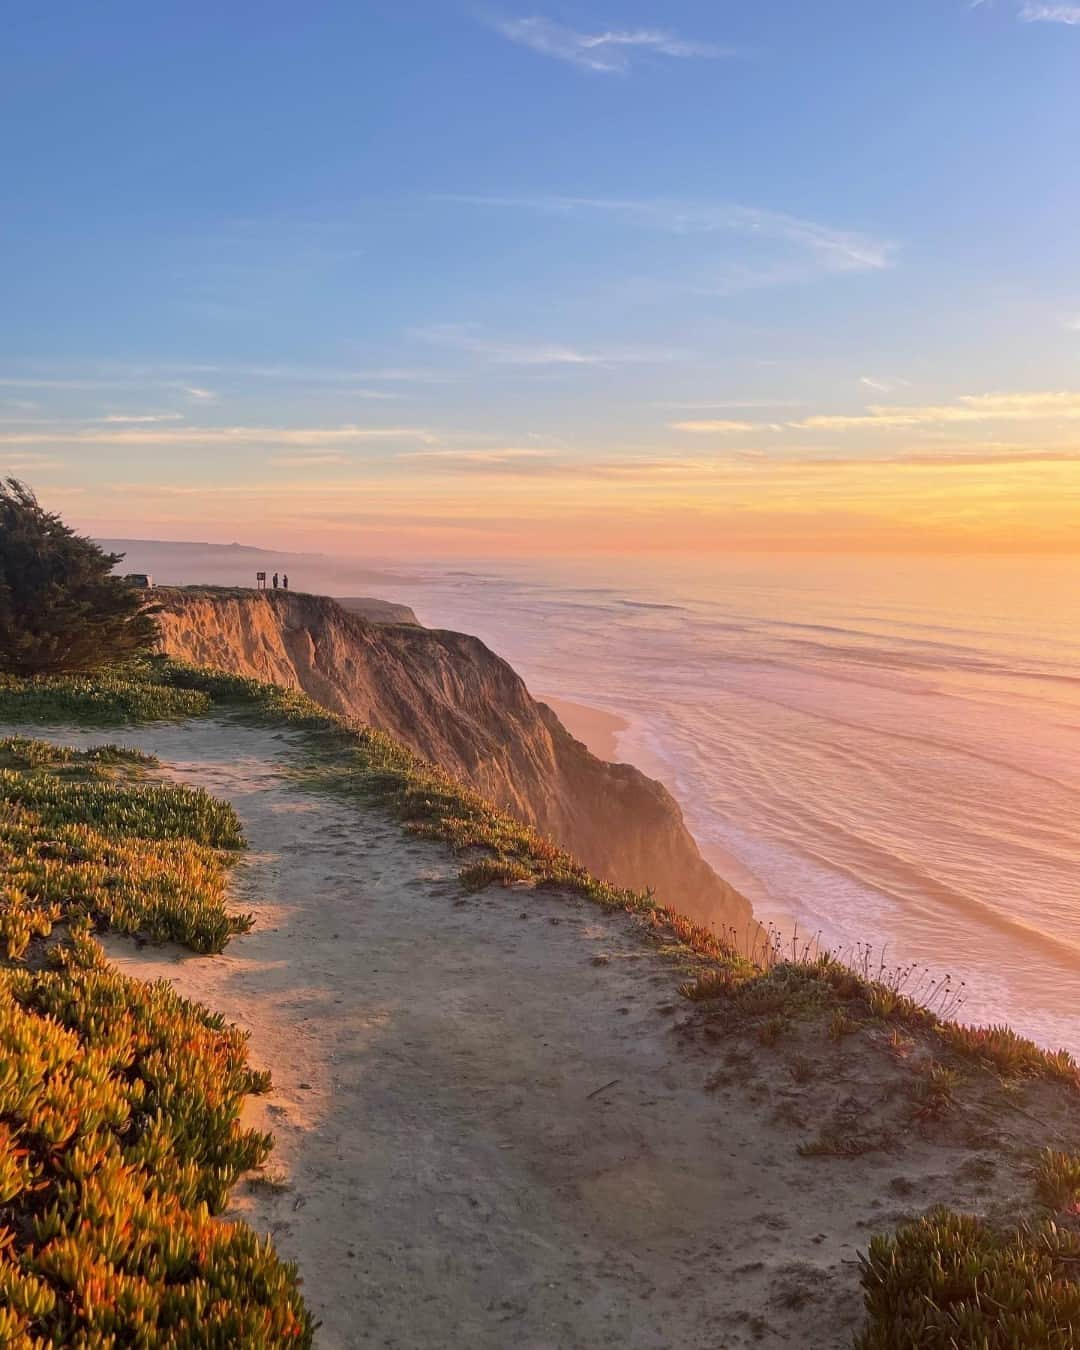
(275, 581)
(285, 582)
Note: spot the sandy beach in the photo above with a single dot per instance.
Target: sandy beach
(598, 730)
(621, 740)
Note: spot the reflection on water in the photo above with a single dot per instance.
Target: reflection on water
(889, 746)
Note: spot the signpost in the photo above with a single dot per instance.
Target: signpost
(260, 578)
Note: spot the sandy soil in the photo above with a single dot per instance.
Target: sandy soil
(496, 1124)
(597, 730)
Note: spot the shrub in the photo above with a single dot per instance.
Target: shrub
(493, 872)
(61, 609)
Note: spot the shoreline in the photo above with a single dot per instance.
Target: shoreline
(622, 739)
(597, 730)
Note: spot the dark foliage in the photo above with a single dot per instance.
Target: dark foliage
(60, 609)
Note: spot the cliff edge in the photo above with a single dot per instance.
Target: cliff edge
(451, 699)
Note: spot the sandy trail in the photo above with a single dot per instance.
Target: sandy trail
(488, 1131)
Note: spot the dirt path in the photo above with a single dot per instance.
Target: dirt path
(488, 1132)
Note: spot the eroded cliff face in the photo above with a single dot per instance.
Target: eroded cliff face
(451, 699)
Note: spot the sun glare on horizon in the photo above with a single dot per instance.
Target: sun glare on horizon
(629, 288)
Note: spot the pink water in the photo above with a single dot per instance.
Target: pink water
(888, 748)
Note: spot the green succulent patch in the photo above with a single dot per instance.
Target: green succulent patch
(101, 761)
(119, 1101)
(122, 694)
(77, 846)
(119, 1140)
(138, 812)
(951, 1282)
(172, 890)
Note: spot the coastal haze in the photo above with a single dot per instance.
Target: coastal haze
(882, 751)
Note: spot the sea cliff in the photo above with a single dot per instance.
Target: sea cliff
(451, 699)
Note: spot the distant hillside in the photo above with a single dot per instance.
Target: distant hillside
(183, 563)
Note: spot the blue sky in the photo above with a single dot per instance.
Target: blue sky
(364, 249)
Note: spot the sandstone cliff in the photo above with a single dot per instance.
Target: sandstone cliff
(379, 611)
(451, 699)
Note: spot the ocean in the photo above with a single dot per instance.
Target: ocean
(882, 750)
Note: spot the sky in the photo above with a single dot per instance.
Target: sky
(447, 279)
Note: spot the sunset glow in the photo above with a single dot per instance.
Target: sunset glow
(767, 279)
(953, 496)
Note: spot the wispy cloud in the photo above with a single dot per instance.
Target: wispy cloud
(1068, 14)
(833, 250)
(143, 417)
(536, 353)
(706, 427)
(306, 461)
(27, 462)
(497, 461)
(734, 404)
(191, 379)
(883, 384)
(970, 408)
(33, 382)
(978, 458)
(318, 375)
(608, 52)
(220, 436)
(496, 457)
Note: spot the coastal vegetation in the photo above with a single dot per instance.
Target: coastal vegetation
(943, 1280)
(119, 1101)
(952, 1282)
(61, 609)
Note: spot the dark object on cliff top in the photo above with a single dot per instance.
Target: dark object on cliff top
(60, 609)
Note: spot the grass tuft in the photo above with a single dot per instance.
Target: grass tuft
(1057, 1181)
(494, 872)
(933, 1092)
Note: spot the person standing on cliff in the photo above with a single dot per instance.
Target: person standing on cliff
(285, 582)
(275, 581)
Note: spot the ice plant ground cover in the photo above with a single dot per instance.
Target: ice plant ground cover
(119, 1101)
(943, 1280)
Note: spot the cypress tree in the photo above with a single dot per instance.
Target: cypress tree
(61, 610)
